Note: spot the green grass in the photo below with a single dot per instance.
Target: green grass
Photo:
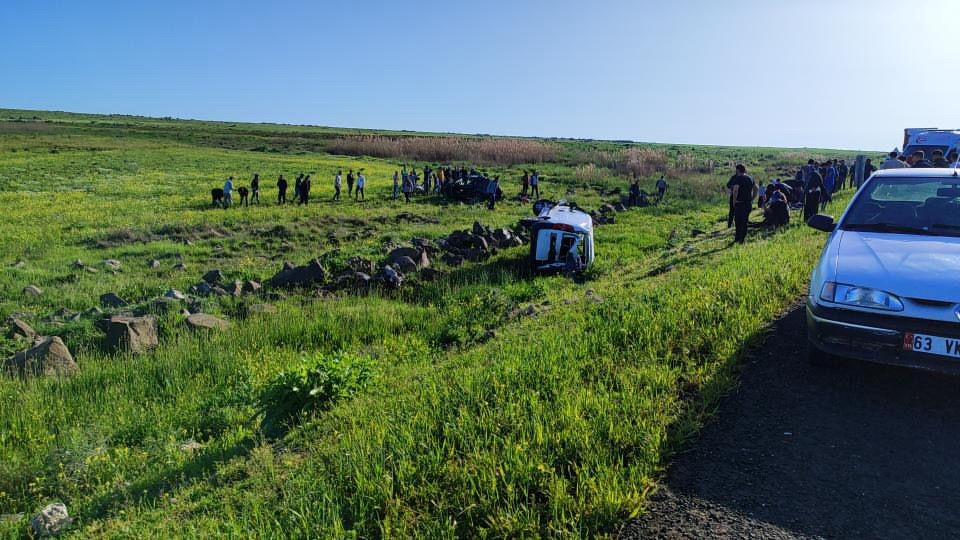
(475, 422)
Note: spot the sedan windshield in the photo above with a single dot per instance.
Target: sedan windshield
(927, 206)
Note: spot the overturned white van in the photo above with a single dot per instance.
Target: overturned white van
(558, 231)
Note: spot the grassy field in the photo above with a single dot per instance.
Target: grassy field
(487, 403)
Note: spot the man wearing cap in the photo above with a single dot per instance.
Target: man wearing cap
(892, 162)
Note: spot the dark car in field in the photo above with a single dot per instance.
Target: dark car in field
(887, 286)
(473, 188)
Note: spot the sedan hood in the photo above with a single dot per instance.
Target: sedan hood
(910, 266)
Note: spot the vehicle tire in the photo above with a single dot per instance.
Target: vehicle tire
(818, 358)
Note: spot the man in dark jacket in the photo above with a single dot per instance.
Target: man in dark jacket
(281, 190)
(812, 196)
(920, 161)
(742, 192)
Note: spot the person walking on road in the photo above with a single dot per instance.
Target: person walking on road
(282, 190)
(742, 192)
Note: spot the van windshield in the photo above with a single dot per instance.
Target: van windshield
(925, 206)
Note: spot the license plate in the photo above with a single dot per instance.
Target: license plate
(939, 346)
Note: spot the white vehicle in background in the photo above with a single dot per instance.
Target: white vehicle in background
(558, 230)
(930, 139)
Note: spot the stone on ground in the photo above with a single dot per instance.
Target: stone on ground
(32, 290)
(51, 521)
(132, 334)
(203, 321)
(20, 329)
(47, 356)
(112, 300)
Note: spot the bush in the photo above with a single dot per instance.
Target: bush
(316, 385)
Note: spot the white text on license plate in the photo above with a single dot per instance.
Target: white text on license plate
(939, 346)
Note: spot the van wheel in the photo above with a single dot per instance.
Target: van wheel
(818, 358)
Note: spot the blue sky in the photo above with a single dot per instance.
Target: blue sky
(844, 74)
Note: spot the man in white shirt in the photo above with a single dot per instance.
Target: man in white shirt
(892, 162)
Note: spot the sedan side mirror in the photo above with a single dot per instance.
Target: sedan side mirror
(823, 223)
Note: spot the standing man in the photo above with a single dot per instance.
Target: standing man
(661, 188)
(255, 187)
(843, 171)
(892, 162)
(742, 192)
(282, 190)
(297, 184)
(227, 192)
(336, 186)
(396, 184)
(812, 196)
(524, 183)
(535, 184)
(305, 190)
(361, 182)
(350, 184)
(829, 183)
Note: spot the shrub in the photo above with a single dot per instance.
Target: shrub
(314, 386)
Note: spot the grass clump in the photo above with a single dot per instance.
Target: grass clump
(315, 385)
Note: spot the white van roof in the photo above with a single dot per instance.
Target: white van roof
(561, 213)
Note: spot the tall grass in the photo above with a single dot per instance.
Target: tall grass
(485, 151)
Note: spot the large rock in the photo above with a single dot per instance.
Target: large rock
(213, 276)
(112, 300)
(502, 237)
(32, 291)
(164, 304)
(112, 264)
(203, 321)
(175, 294)
(48, 356)
(20, 329)
(51, 521)
(299, 276)
(355, 280)
(406, 264)
(359, 264)
(132, 334)
(391, 277)
(203, 289)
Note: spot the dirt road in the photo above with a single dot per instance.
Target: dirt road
(851, 451)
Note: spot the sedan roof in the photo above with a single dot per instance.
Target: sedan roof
(918, 173)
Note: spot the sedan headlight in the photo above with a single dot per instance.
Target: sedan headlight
(852, 295)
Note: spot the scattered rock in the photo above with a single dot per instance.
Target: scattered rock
(355, 280)
(47, 356)
(203, 321)
(620, 207)
(695, 233)
(91, 270)
(607, 208)
(164, 304)
(594, 297)
(20, 329)
(153, 263)
(213, 276)
(190, 446)
(251, 286)
(174, 294)
(391, 277)
(19, 264)
(203, 289)
(92, 312)
(234, 289)
(112, 300)
(132, 334)
(179, 266)
(451, 259)
(32, 291)
(78, 264)
(359, 264)
(112, 264)
(51, 521)
(405, 264)
(263, 308)
(299, 276)
(430, 274)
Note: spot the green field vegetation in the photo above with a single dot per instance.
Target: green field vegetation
(443, 409)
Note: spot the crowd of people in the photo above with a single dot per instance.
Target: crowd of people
(813, 187)
(408, 181)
